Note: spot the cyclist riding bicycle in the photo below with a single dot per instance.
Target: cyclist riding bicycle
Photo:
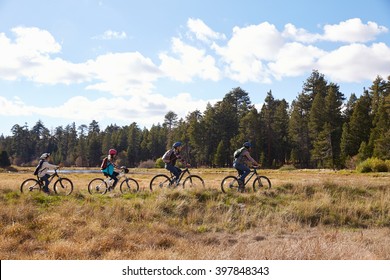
(241, 159)
(170, 158)
(42, 169)
(108, 166)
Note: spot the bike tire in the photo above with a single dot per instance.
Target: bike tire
(30, 185)
(129, 186)
(97, 186)
(261, 183)
(193, 181)
(160, 181)
(63, 186)
(229, 184)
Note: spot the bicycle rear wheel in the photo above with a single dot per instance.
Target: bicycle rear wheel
(97, 186)
(261, 182)
(229, 185)
(30, 185)
(63, 186)
(193, 181)
(160, 181)
(129, 186)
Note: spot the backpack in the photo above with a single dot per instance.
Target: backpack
(36, 171)
(238, 152)
(167, 156)
(104, 163)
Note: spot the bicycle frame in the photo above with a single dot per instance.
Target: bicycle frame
(252, 173)
(183, 172)
(51, 178)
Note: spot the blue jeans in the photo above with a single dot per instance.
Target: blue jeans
(242, 169)
(174, 170)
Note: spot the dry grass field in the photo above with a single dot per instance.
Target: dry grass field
(307, 215)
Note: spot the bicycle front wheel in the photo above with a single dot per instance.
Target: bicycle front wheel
(129, 186)
(193, 181)
(160, 181)
(261, 182)
(63, 186)
(30, 185)
(97, 186)
(229, 185)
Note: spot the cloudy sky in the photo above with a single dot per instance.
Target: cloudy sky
(119, 62)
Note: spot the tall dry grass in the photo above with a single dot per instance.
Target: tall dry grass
(306, 215)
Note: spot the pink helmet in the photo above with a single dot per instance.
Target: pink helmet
(112, 152)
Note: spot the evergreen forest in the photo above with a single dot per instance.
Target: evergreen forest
(321, 128)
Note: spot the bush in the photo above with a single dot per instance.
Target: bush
(147, 164)
(372, 165)
(287, 167)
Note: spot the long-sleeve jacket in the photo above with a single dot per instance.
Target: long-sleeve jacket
(245, 157)
(171, 156)
(45, 167)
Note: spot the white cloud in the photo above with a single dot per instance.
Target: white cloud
(299, 34)
(111, 35)
(28, 56)
(123, 73)
(191, 62)
(246, 51)
(356, 62)
(295, 59)
(202, 31)
(353, 30)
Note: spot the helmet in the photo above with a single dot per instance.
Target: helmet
(45, 156)
(247, 144)
(112, 152)
(176, 144)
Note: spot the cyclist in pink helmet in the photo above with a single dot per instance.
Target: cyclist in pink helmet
(108, 166)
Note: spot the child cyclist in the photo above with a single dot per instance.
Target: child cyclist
(42, 169)
(108, 166)
(241, 158)
(170, 158)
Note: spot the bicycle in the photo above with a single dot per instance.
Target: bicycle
(191, 181)
(102, 186)
(62, 186)
(230, 183)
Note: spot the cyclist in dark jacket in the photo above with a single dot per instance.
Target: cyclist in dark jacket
(171, 156)
(241, 163)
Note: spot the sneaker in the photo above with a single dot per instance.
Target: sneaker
(241, 187)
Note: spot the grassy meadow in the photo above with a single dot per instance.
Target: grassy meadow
(307, 215)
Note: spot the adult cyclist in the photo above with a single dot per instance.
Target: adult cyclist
(241, 159)
(171, 156)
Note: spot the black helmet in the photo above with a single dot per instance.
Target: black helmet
(247, 144)
(176, 144)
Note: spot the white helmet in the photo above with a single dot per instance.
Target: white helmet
(44, 156)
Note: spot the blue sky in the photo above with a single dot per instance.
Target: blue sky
(119, 62)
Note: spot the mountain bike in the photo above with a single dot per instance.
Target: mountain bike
(231, 184)
(102, 186)
(62, 186)
(190, 181)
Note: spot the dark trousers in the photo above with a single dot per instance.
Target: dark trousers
(176, 171)
(242, 169)
(45, 179)
(114, 177)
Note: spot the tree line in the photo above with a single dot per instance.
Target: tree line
(319, 129)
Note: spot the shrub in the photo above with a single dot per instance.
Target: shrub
(147, 164)
(372, 165)
(287, 167)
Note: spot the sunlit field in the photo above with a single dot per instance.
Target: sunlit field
(306, 215)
